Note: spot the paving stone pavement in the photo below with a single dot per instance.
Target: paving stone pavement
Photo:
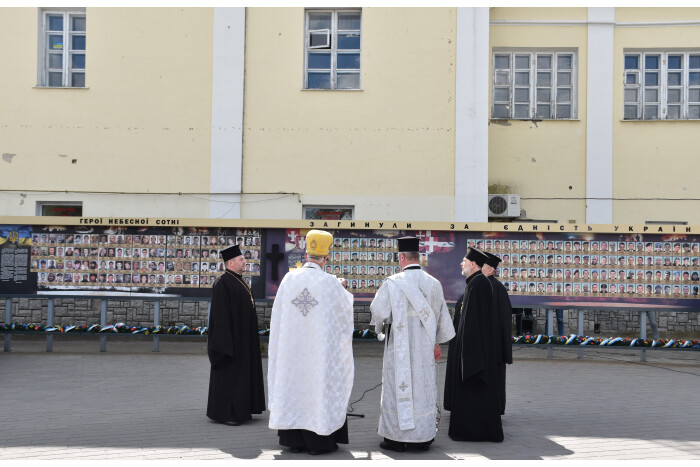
(130, 403)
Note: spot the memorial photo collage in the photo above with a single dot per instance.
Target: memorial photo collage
(365, 262)
(138, 260)
(613, 268)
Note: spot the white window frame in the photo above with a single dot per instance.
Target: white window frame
(504, 79)
(332, 46)
(68, 73)
(637, 94)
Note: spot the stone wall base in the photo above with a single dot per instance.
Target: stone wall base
(194, 313)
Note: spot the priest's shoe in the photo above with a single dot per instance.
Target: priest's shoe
(392, 445)
(314, 452)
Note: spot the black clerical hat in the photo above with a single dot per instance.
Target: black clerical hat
(231, 252)
(475, 255)
(492, 260)
(408, 244)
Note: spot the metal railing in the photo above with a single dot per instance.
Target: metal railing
(103, 315)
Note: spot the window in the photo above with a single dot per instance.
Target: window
(534, 85)
(68, 208)
(332, 49)
(335, 213)
(662, 85)
(62, 49)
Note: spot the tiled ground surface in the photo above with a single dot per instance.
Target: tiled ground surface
(131, 403)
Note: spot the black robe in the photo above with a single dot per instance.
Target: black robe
(504, 325)
(471, 383)
(236, 379)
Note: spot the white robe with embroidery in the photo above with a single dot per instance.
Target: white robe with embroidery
(417, 390)
(310, 363)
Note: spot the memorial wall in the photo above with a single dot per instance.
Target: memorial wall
(544, 265)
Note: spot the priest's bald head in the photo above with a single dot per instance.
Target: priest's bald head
(473, 261)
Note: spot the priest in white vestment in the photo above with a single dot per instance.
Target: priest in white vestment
(413, 304)
(310, 362)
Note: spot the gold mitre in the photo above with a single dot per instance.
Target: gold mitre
(318, 242)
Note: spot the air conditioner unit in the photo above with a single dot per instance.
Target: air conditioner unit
(504, 205)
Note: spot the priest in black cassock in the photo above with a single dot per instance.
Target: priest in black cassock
(504, 324)
(471, 380)
(236, 379)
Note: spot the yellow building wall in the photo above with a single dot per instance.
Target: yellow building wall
(387, 149)
(142, 125)
(544, 159)
(654, 159)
